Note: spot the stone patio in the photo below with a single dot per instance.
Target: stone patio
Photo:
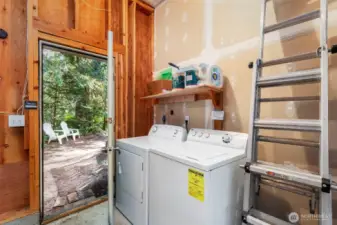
(75, 173)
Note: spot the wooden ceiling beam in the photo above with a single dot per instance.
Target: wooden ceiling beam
(148, 9)
(73, 34)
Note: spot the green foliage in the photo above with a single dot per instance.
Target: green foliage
(74, 91)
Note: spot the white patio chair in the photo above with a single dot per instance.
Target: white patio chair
(54, 134)
(70, 131)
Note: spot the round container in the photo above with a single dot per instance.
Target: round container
(216, 76)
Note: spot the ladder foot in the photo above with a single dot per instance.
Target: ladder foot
(326, 185)
(333, 49)
(247, 167)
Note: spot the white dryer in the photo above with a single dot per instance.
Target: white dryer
(132, 169)
(198, 182)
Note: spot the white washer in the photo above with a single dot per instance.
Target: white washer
(132, 169)
(199, 182)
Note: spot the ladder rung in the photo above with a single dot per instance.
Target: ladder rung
(289, 174)
(295, 58)
(267, 219)
(255, 221)
(289, 141)
(286, 99)
(281, 124)
(287, 186)
(293, 21)
(298, 77)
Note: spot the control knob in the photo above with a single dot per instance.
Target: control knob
(226, 139)
(154, 129)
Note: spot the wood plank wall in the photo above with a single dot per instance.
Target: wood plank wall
(83, 24)
(14, 179)
(144, 68)
(141, 66)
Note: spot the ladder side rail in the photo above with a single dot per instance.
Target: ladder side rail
(268, 218)
(325, 198)
(249, 192)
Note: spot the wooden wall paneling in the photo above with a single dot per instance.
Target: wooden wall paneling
(60, 12)
(16, 73)
(117, 20)
(72, 43)
(117, 93)
(32, 11)
(109, 16)
(74, 35)
(144, 68)
(146, 8)
(91, 17)
(125, 34)
(2, 138)
(13, 160)
(121, 96)
(33, 93)
(152, 39)
(4, 78)
(131, 69)
(14, 188)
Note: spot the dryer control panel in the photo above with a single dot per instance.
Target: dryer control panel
(217, 137)
(168, 131)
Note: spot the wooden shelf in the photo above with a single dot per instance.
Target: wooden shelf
(187, 91)
(190, 94)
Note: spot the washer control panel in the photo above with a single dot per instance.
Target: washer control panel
(217, 137)
(168, 131)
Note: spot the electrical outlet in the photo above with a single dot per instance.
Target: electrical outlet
(16, 120)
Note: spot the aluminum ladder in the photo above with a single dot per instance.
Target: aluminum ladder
(311, 185)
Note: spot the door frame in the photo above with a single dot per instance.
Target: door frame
(32, 131)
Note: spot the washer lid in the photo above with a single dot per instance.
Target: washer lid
(202, 152)
(145, 143)
(202, 156)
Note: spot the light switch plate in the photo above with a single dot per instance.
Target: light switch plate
(218, 115)
(16, 120)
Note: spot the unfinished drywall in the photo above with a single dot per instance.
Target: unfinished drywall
(226, 33)
(14, 177)
(198, 114)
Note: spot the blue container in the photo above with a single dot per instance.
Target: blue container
(178, 80)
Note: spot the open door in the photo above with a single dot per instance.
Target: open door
(73, 128)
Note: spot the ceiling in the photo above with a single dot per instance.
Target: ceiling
(154, 3)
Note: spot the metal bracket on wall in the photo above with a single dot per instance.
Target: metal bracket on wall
(3, 34)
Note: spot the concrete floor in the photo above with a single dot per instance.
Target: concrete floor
(97, 215)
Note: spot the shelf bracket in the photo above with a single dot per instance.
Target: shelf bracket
(216, 99)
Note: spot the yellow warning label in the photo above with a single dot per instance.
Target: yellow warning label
(196, 184)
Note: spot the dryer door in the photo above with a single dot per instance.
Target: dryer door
(129, 173)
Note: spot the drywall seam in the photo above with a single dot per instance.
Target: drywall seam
(211, 56)
(162, 2)
(208, 22)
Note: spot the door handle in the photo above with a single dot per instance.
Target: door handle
(119, 167)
